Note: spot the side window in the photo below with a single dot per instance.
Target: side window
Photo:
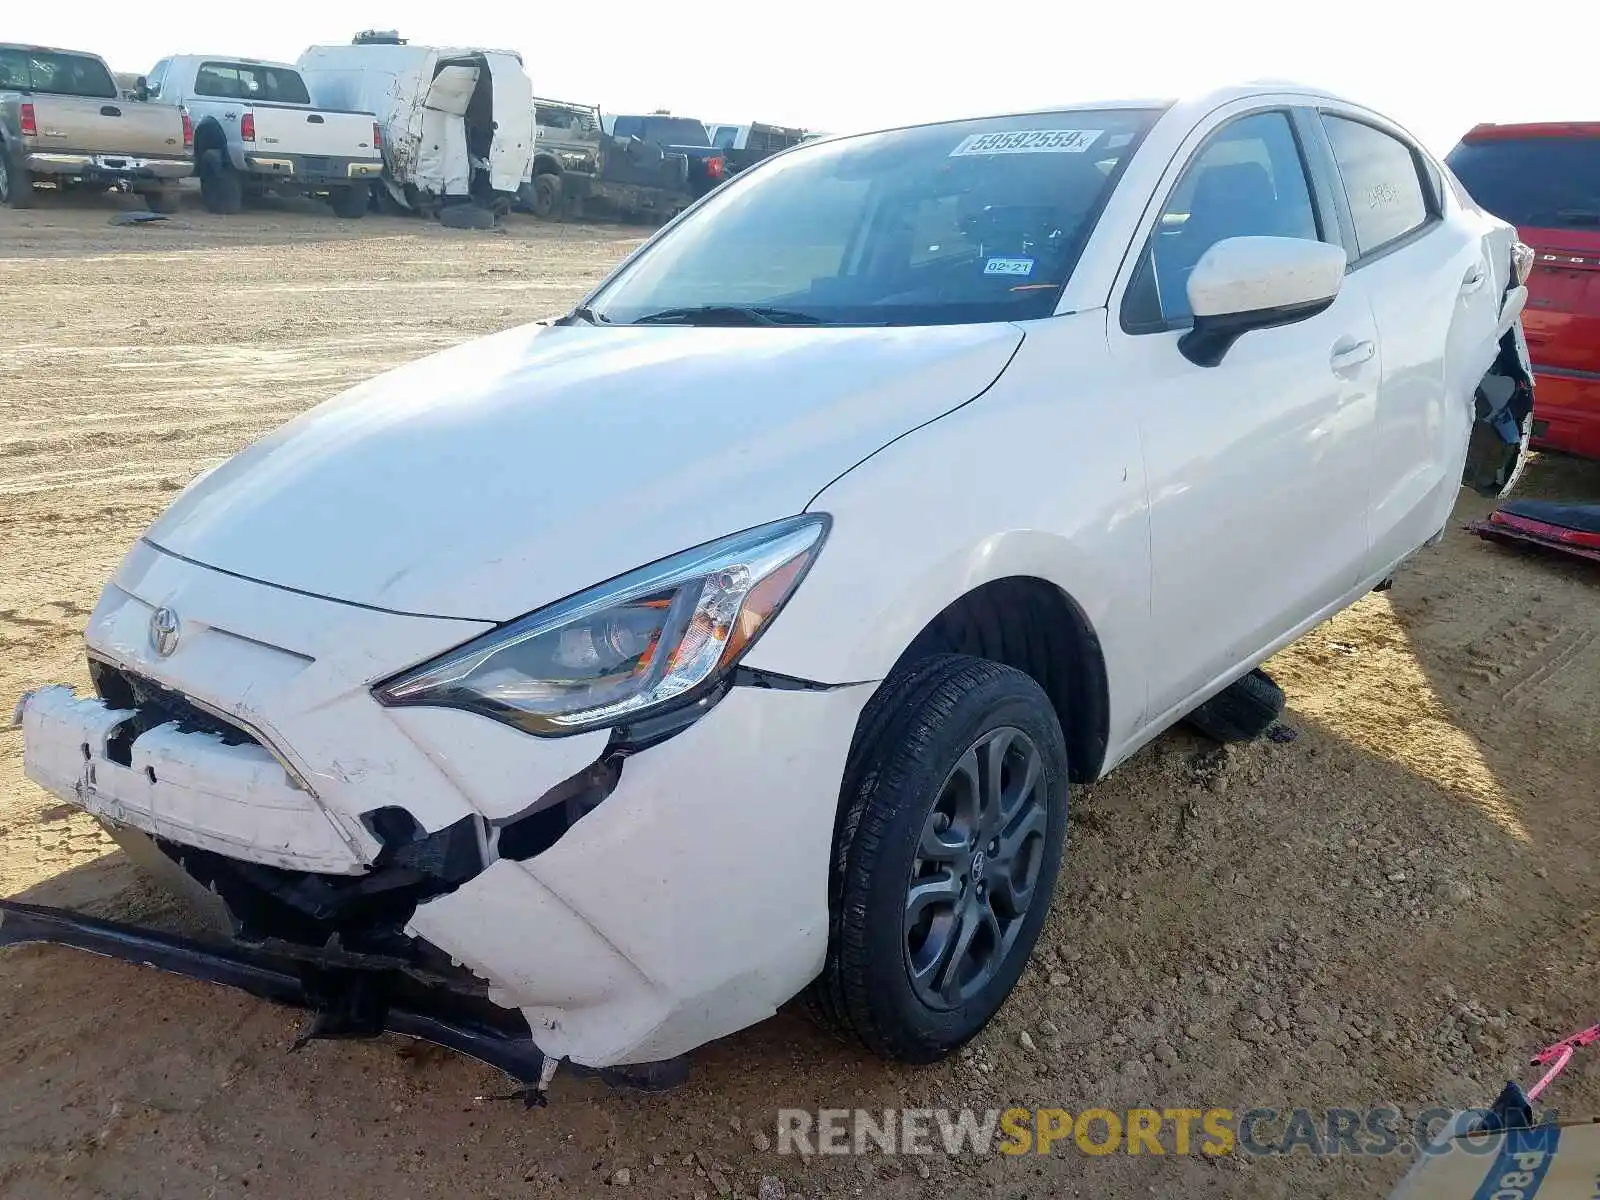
(1386, 195)
(1248, 180)
(158, 74)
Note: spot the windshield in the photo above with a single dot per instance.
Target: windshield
(250, 81)
(59, 74)
(1549, 183)
(936, 225)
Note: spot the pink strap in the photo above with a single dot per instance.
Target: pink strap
(1559, 1054)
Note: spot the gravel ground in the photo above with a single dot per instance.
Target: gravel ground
(1393, 907)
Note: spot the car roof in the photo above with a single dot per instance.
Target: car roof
(48, 49)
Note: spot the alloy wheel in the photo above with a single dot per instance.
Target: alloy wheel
(976, 868)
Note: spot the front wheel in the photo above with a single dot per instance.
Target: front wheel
(948, 846)
(547, 197)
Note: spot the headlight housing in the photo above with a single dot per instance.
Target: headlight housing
(646, 641)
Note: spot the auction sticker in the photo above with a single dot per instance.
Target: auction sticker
(1028, 141)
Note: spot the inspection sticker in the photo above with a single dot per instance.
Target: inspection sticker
(1008, 266)
(1029, 141)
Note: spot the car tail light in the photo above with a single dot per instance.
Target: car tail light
(188, 130)
(377, 136)
(714, 167)
(247, 127)
(28, 122)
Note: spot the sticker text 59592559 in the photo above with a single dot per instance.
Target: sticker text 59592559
(1028, 141)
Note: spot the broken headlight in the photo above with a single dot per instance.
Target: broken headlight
(1522, 256)
(644, 641)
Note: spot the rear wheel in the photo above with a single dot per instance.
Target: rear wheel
(16, 184)
(350, 202)
(221, 188)
(1242, 711)
(547, 197)
(947, 850)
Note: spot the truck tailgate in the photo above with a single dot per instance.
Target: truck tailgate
(108, 126)
(314, 131)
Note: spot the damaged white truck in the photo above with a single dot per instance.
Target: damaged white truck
(456, 123)
(943, 468)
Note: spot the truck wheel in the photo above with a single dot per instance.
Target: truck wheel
(162, 200)
(16, 185)
(1242, 711)
(350, 202)
(949, 839)
(547, 197)
(221, 189)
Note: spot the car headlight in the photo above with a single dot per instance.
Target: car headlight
(642, 642)
(1522, 256)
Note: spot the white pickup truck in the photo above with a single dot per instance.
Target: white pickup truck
(256, 130)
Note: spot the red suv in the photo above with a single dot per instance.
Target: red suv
(1545, 180)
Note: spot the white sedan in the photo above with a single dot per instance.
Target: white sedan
(741, 633)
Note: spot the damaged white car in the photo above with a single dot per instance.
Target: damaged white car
(587, 692)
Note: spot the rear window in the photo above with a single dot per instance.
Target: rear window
(56, 73)
(667, 131)
(250, 81)
(1549, 183)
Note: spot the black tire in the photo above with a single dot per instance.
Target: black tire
(221, 188)
(162, 200)
(547, 197)
(466, 216)
(16, 184)
(1242, 711)
(915, 731)
(350, 203)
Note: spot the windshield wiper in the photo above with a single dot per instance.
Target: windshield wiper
(728, 314)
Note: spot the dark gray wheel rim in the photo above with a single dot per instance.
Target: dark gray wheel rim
(976, 869)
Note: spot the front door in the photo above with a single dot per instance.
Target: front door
(1257, 468)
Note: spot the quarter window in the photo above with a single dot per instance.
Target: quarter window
(1248, 180)
(1381, 182)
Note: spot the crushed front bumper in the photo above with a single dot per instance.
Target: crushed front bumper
(627, 902)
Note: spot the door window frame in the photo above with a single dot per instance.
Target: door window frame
(1428, 180)
(1323, 206)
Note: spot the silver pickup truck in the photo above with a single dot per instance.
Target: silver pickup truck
(62, 120)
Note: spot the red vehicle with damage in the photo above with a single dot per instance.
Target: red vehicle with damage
(1545, 180)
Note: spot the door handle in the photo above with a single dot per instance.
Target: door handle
(110, 110)
(315, 118)
(1347, 354)
(1473, 280)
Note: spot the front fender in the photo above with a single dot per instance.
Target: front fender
(1041, 476)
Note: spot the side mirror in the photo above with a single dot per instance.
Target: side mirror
(1246, 283)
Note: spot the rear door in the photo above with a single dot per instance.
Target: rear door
(511, 149)
(1433, 293)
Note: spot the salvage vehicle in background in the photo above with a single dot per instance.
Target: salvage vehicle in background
(455, 123)
(578, 168)
(256, 130)
(746, 145)
(1545, 179)
(934, 470)
(646, 140)
(64, 121)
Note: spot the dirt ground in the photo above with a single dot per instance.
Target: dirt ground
(1394, 907)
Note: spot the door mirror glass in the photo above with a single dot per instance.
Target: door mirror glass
(1245, 283)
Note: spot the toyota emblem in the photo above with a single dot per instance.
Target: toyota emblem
(163, 631)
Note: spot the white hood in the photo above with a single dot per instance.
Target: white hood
(506, 473)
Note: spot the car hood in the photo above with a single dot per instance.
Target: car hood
(508, 472)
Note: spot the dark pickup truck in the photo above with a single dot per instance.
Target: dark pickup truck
(708, 164)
